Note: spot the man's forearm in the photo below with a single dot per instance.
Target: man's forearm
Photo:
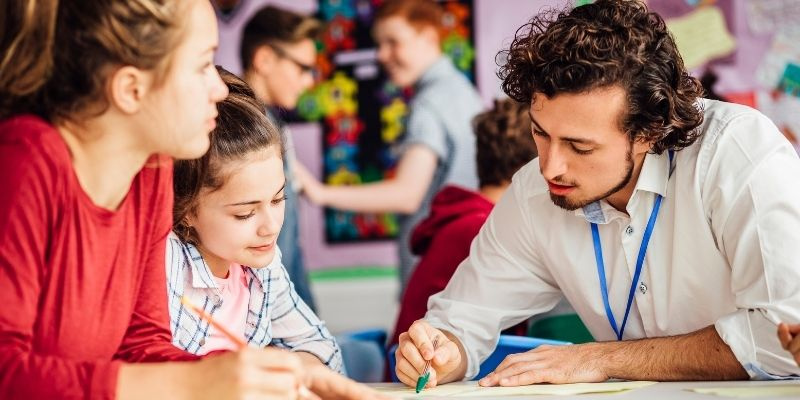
(700, 355)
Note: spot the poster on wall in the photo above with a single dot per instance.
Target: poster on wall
(361, 112)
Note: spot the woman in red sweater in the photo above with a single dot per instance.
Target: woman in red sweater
(95, 100)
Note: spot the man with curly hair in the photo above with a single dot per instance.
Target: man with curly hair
(670, 222)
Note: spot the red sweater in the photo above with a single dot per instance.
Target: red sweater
(442, 240)
(82, 288)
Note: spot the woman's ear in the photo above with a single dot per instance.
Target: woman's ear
(127, 87)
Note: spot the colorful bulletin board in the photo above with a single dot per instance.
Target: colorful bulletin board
(361, 112)
(753, 46)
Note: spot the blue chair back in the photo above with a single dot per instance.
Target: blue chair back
(377, 335)
(507, 345)
(363, 354)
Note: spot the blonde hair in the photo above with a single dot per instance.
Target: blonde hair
(56, 56)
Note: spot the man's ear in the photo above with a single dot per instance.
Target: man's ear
(264, 60)
(641, 147)
(127, 87)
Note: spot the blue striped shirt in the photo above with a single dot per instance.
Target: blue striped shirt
(276, 314)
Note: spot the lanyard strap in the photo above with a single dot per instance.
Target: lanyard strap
(601, 271)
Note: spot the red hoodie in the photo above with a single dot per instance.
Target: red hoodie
(442, 240)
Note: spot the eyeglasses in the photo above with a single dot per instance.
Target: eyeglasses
(282, 53)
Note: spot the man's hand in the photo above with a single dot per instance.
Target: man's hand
(416, 347)
(549, 364)
(789, 336)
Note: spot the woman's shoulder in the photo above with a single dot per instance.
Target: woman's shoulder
(34, 159)
(26, 140)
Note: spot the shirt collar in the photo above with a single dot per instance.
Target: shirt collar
(655, 173)
(440, 68)
(201, 272)
(653, 178)
(199, 269)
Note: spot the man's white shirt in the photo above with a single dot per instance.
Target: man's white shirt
(725, 250)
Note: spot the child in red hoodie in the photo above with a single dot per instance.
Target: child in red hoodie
(442, 240)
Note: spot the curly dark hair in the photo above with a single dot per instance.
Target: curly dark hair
(609, 42)
(503, 141)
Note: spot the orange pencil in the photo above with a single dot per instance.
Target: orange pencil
(304, 392)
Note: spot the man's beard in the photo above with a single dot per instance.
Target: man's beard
(565, 203)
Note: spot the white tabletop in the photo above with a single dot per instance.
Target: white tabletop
(658, 391)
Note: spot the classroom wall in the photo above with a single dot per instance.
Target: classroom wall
(496, 22)
(495, 27)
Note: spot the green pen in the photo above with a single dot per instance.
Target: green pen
(426, 373)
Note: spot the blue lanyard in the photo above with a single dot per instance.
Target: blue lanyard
(601, 270)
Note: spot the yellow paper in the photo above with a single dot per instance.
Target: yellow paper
(471, 389)
(701, 36)
(753, 391)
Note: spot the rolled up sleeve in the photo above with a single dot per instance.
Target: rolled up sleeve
(761, 240)
(500, 284)
(295, 327)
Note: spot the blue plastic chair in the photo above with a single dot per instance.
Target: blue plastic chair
(363, 354)
(507, 345)
(377, 335)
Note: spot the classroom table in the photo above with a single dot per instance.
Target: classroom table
(658, 391)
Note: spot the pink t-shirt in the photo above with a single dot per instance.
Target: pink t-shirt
(232, 314)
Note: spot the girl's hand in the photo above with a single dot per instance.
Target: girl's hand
(329, 385)
(248, 374)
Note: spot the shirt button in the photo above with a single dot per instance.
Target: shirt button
(202, 342)
(643, 288)
(217, 300)
(629, 230)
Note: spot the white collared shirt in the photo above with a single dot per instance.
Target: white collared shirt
(725, 250)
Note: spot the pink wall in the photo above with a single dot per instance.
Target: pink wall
(496, 22)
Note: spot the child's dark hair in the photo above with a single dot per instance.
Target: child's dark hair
(242, 128)
(503, 142)
(273, 26)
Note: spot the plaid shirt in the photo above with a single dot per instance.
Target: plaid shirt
(276, 316)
